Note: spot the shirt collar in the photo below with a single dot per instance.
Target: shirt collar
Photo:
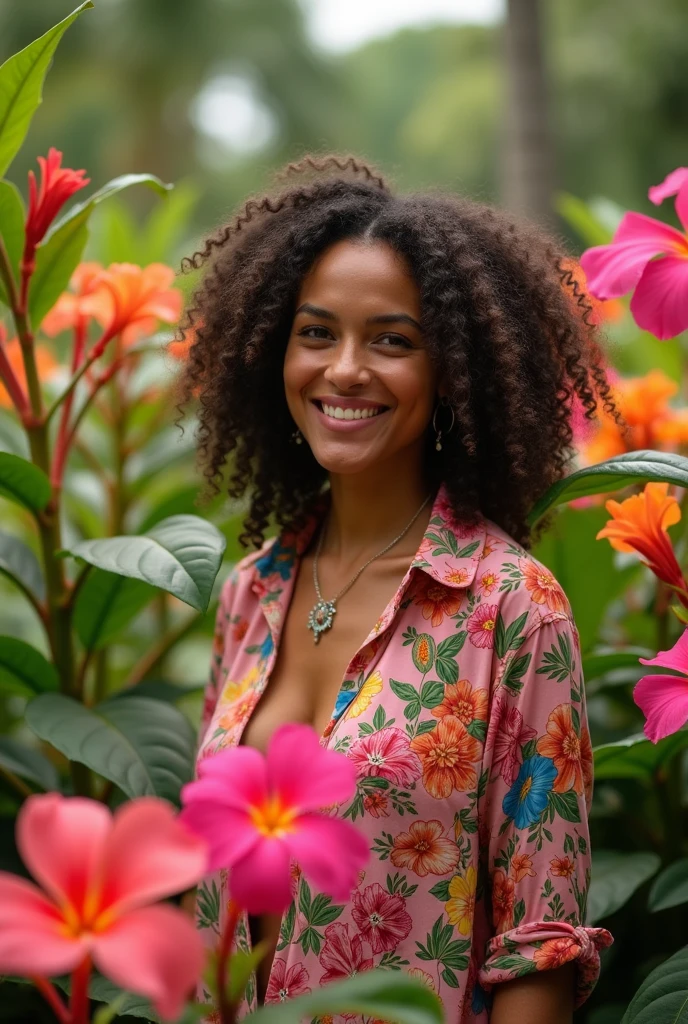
(449, 552)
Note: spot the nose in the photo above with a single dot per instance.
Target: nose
(347, 367)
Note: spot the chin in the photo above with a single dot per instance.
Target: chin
(344, 463)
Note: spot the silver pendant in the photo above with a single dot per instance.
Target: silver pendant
(321, 618)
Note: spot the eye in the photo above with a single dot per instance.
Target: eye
(306, 333)
(394, 341)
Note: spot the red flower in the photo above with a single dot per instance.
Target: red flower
(377, 804)
(57, 185)
(437, 601)
(285, 984)
(386, 754)
(481, 625)
(555, 953)
(562, 867)
(502, 901)
(343, 954)
(382, 919)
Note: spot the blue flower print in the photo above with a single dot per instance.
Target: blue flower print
(527, 798)
(278, 559)
(266, 647)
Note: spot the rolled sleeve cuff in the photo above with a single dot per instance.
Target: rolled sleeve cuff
(543, 946)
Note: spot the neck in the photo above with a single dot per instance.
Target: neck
(369, 509)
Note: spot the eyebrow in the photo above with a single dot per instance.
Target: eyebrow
(382, 318)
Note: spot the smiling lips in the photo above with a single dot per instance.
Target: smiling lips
(347, 413)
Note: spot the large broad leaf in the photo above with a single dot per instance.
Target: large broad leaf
(19, 563)
(670, 888)
(182, 555)
(599, 663)
(581, 218)
(102, 990)
(27, 763)
(617, 472)
(12, 437)
(160, 689)
(377, 994)
(124, 181)
(146, 747)
(635, 757)
(24, 670)
(167, 223)
(105, 604)
(11, 230)
(615, 877)
(21, 87)
(23, 482)
(663, 996)
(179, 502)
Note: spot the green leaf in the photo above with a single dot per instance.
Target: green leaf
(181, 555)
(615, 877)
(378, 994)
(18, 562)
(110, 189)
(663, 996)
(159, 689)
(432, 694)
(177, 503)
(146, 747)
(27, 763)
(105, 604)
(620, 471)
(167, 223)
(446, 669)
(56, 260)
(670, 888)
(478, 729)
(23, 483)
(21, 86)
(441, 890)
(565, 805)
(24, 670)
(581, 218)
(241, 966)
(404, 691)
(635, 757)
(451, 645)
(11, 230)
(599, 663)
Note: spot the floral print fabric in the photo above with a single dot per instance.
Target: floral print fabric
(464, 715)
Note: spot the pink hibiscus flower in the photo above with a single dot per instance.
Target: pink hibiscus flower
(386, 754)
(510, 736)
(286, 984)
(481, 625)
(382, 919)
(660, 299)
(343, 954)
(664, 699)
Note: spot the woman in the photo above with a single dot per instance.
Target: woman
(391, 379)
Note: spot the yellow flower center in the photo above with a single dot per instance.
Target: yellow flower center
(526, 787)
(489, 624)
(273, 819)
(571, 746)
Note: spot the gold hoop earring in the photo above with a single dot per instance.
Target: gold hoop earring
(442, 404)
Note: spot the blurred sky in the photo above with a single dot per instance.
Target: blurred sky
(339, 25)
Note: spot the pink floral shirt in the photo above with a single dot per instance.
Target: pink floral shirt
(464, 714)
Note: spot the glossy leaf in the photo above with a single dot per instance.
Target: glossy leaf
(18, 562)
(11, 230)
(27, 763)
(167, 223)
(159, 689)
(670, 888)
(615, 877)
(599, 663)
(56, 261)
(613, 474)
(146, 747)
(105, 604)
(119, 184)
(182, 555)
(24, 670)
(663, 996)
(21, 86)
(377, 994)
(23, 483)
(179, 502)
(580, 217)
(635, 757)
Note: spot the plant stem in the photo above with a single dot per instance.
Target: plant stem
(51, 996)
(226, 1007)
(79, 1005)
(148, 662)
(14, 780)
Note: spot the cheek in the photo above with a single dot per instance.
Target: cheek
(298, 369)
(414, 388)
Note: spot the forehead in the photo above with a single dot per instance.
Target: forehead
(354, 271)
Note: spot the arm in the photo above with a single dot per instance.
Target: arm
(545, 998)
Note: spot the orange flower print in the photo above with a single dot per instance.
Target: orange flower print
(463, 702)
(488, 581)
(420, 975)
(562, 867)
(376, 803)
(239, 629)
(448, 755)
(239, 712)
(436, 601)
(543, 587)
(521, 866)
(562, 744)
(555, 953)
(455, 575)
(425, 849)
(502, 901)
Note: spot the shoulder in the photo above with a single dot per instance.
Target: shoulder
(244, 572)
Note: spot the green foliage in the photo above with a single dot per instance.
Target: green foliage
(670, 888)
(615, 877)
(663, 996)
(23, 482)
(23, 669)
(11, 229)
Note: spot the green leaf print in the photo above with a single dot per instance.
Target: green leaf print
(404, 691)
(431, 694)
(508, 638)
(519, 912)
(423, 652)
(514, 672)
(517, 965)
(440, 946)
(287, 928)
(477, 728)
(565, 805)
(441, 890)
(558, 663)
(208, 905)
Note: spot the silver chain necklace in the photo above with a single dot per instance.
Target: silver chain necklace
(321, 616)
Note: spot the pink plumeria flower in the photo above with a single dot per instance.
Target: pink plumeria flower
(664, 699)
(260, 813)
(99, 874)
(660, 300)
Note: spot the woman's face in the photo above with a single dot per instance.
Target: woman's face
(357, 376)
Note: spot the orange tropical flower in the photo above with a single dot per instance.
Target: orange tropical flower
(555, 953)
(488, 581)
(562, 744)
(455, 574)
(69, 308)
(46, 366)
(461, 905)
(425, 849)
(130, 300)
(562, 867)
(448, 755)
(640, 524)
(543, 587)
(463, 702)
(521, 865)
(436, 602)
(503, 894)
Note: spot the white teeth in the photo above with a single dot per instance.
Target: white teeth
(336, 412)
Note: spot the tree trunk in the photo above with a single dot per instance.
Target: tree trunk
(528, 160)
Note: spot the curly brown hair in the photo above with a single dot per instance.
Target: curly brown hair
(503, 318)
